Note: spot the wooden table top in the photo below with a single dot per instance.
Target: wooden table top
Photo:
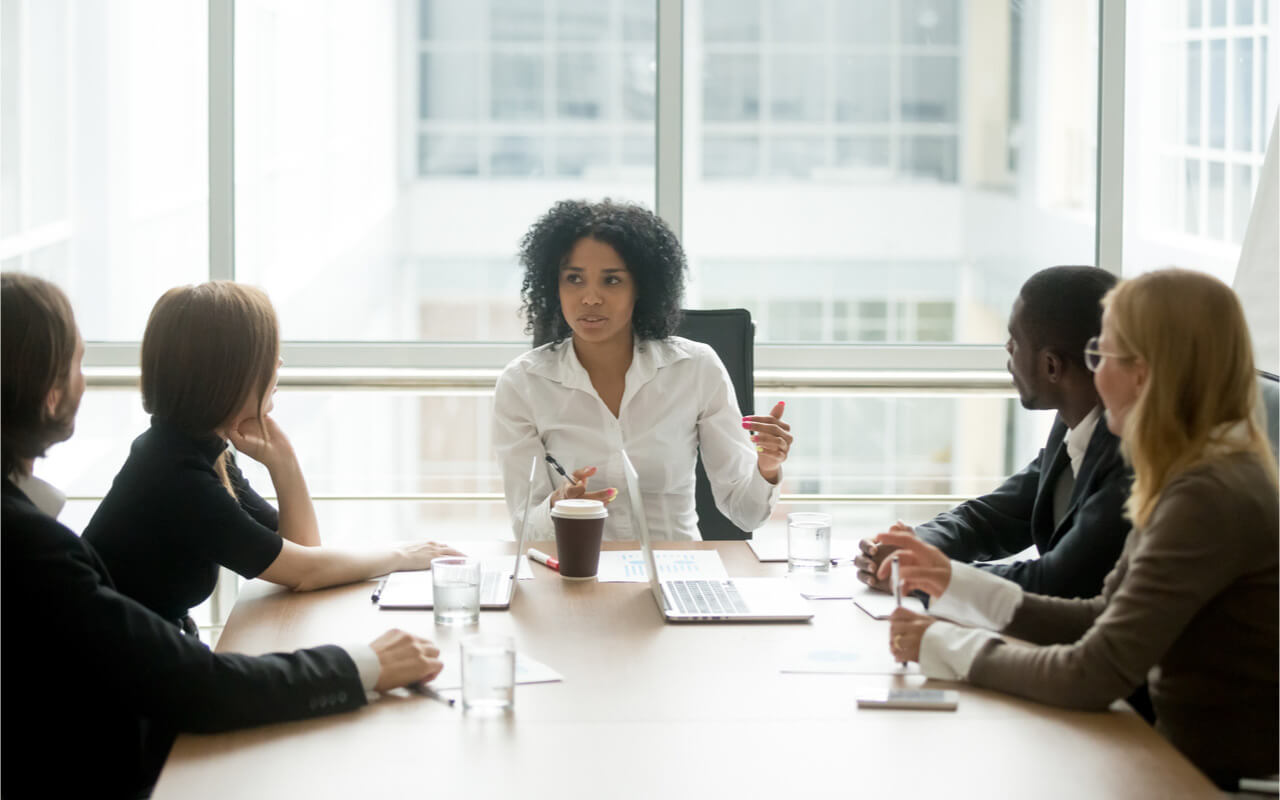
(649, 709)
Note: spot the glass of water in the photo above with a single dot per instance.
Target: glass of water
(455, 587)
(808, 542)
(488, 673)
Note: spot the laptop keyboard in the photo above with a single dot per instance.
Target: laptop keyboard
(490, 582)
(706, 597)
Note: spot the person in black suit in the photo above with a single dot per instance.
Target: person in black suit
(1069, 501)
(96, 686)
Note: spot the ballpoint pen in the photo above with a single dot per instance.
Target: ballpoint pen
(897, 585)
(551, 460)
(377, 592)
(426, 691)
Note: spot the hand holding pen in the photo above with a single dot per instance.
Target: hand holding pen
(576, 485)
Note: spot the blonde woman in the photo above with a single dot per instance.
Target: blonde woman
(1192, 604)
(180, 508)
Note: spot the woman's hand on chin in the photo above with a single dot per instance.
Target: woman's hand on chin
(263, 440)
(772, 439)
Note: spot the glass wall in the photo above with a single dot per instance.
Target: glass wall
(886, 171)
(1201, 91)
(103, 152)
(390, 155)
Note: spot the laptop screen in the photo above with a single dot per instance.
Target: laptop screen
(642, 526)
(524, 523)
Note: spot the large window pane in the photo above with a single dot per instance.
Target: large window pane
(914, 162)
(384, 175)
(104, 154)
(1198, 116)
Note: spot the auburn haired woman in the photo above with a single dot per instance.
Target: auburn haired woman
(180, 508)
(1192, 604)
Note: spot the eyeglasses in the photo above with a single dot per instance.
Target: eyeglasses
(1093, 355)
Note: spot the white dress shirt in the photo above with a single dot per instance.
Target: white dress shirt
(678, 397)
(1078, 438)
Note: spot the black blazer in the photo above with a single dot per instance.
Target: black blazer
(1076, 554)
(95, 686)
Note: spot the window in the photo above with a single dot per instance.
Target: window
(103, 185)
(860, 154)
(1197, 129)
(382, 198)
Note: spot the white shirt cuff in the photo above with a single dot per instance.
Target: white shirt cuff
(540, 525)
(367, 664)
(976, 597)
(947, 651)
(771, 490)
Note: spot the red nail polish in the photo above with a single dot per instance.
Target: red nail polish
(746, 426)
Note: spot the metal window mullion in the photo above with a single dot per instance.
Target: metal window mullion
(669, 116)
(1109, 206)
(222, 140)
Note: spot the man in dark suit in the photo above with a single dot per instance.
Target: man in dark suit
(95, 686)
(1069, 501)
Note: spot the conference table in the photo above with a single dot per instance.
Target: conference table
(649, 709)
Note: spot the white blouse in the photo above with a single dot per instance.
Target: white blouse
(678, 397)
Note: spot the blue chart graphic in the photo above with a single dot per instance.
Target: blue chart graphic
(671, 564)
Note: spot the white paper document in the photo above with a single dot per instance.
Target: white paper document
(775, 549)
(838, 584)
(528, 670)
(627, 566)
(413, 589)
(839, 661)
(880, 604)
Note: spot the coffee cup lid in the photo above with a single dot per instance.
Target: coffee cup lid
(579, 508)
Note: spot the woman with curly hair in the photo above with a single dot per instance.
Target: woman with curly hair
(603, 286)
(1192, 603)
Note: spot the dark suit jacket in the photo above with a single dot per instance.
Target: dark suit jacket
(1076, 554)
(95, 686)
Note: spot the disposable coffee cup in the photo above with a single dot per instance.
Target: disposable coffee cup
(579, 528)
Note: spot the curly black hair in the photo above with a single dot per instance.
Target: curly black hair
(646, 245)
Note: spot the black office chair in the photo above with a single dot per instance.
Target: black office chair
(731, 333)
(1269, 386)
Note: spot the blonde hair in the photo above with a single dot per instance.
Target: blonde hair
(1190, 331)
(207, 349)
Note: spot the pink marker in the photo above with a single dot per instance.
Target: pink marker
(544, 559)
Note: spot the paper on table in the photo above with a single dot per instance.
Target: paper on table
(839, 584)
(839, 661)
(880, 605)
(627, 566)
(775, 549)
(528, 670)
(413, 589)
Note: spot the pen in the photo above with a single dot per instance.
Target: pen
(426, 691)
(551, 460)
(544, 559)
(897, 585)
(377, 592)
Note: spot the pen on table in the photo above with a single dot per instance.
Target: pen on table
(897, 584)
(551, 460)
(377, 592)
(544, 559)
(426, 691)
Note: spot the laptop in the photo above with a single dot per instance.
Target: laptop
(734, 600)
(498, 581)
